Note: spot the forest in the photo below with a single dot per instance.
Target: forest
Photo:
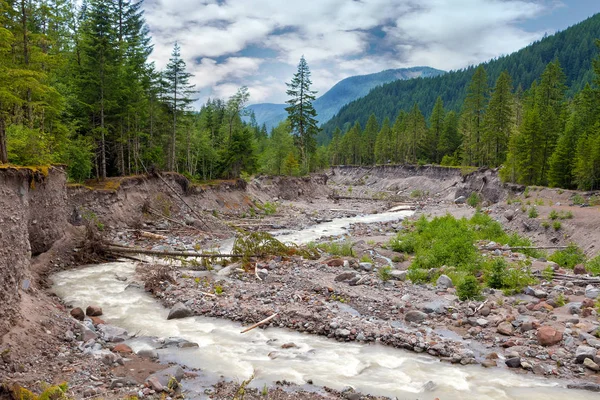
(77, 88)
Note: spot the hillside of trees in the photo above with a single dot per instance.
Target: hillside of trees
(574, 49)
(77, 88)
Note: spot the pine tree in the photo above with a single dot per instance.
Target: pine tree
(499, 121)
(416, 130)
(436, 129)
(383, 145)
(473, 115)
(369, 137)
(450, 139)
(301, 112)
(178, 97)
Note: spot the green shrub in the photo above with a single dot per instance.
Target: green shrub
(593, 266)
(497, 273)
(365, 258)
(578, 200)
(269, 208)
(569, 257)
(545, 224)
(553, 215)
(516, 279)
(539, 202)
(474, 200)
(416, 193)
(79, 154)
(385, 273)
(417, 275)
(548, 273)
(533, 212)
(526, 192)
(561, 300)
(338, 248)
(557, 225)
(468, 288)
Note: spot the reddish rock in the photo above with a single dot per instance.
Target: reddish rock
(548, 336)
(97, 321)
(122, 348)
(78, 313)
(336, 262)
(543, 306)
(579, 269)
(587, 303)
(586, 312)
(93, 311)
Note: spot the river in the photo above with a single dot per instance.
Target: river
(223, 351)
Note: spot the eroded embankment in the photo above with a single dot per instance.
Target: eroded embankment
(443, 182)
(32, 217)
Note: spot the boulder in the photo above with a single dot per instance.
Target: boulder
(460, 200)
(589, 364)
(584, 352)
(148, 353)
(579, 269)
(398, 275)
(345, 276)
(166, 378)
(93, 311)
(444, 282)
(78, 314)
(548, 336)
(113, 334)
(592, 292)
(514, 362)
(179, 310)
(336, 262)
(509, 215)
(506, 329)
(415, 316)
(366, 266)
(122, 348)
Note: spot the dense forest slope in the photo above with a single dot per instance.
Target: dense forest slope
(574, 48)
(342, 93)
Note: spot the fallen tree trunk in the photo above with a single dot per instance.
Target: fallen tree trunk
(160, 215)
(256, 325)
(133, 250)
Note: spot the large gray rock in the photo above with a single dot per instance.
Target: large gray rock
(113, 333)
(444, 282)
(179, 310)
(460, 200)
(584, 352)
(398, 275)
(592, 292)
(509, 215)
(166, 378)
(366, 266)
(415, 316)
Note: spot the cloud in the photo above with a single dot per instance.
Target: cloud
(224, 42)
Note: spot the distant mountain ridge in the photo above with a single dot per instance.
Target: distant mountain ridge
(341, 93)
(574, 48)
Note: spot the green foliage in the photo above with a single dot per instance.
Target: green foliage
(593, 266)
(416, 193)
(516, 279)
(557, 225)
(569, 257)
(258, 244)
(79, 159)
(474, 200)
(417, 275)
(468, 288)
(385, 273)
(343, 249)
(561, 300)
(533, 212)
(366, 258)
(578, 200)
(545, 224)
(548, 273)
(497, 273)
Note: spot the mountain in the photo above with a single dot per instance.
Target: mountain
(342, 93)
(574, 48)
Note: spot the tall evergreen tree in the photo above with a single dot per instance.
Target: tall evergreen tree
(178, 97)
(369, 137)
(473, 115)
(436, 129)
(499, 121)
(301, 112)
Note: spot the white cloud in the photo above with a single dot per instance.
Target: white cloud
(227, 44)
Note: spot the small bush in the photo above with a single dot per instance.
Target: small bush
(593, 266)
(553, 215)
(468, 288)
(526, 192)
(569, 257)
(578, 200)
(385, 273)
(417, 275)
(533, 212)
(416, 193)
(516, 279)
(269, 208)
(365, 258)
(343, 249)
(557, 225)
(497, 273)
(545, 224)
(561, 300)
(548, 273)
(539, 202)
(474, 200)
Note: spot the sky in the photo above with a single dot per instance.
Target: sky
(258, 43)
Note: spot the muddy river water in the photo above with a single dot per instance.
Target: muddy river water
(223, 351)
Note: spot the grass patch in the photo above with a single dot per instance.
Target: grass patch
(554, 215)
(468, 288)
(578, 200)
(533, 212)
(557, 225)
(569, 257)
(343, 249)
(474, 200)
(593, 266)
(385, 273)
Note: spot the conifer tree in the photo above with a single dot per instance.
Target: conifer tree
(436, 128)
(178, 97)
(473, 115)
(499, 121)
(369, 137)
(301, 112)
